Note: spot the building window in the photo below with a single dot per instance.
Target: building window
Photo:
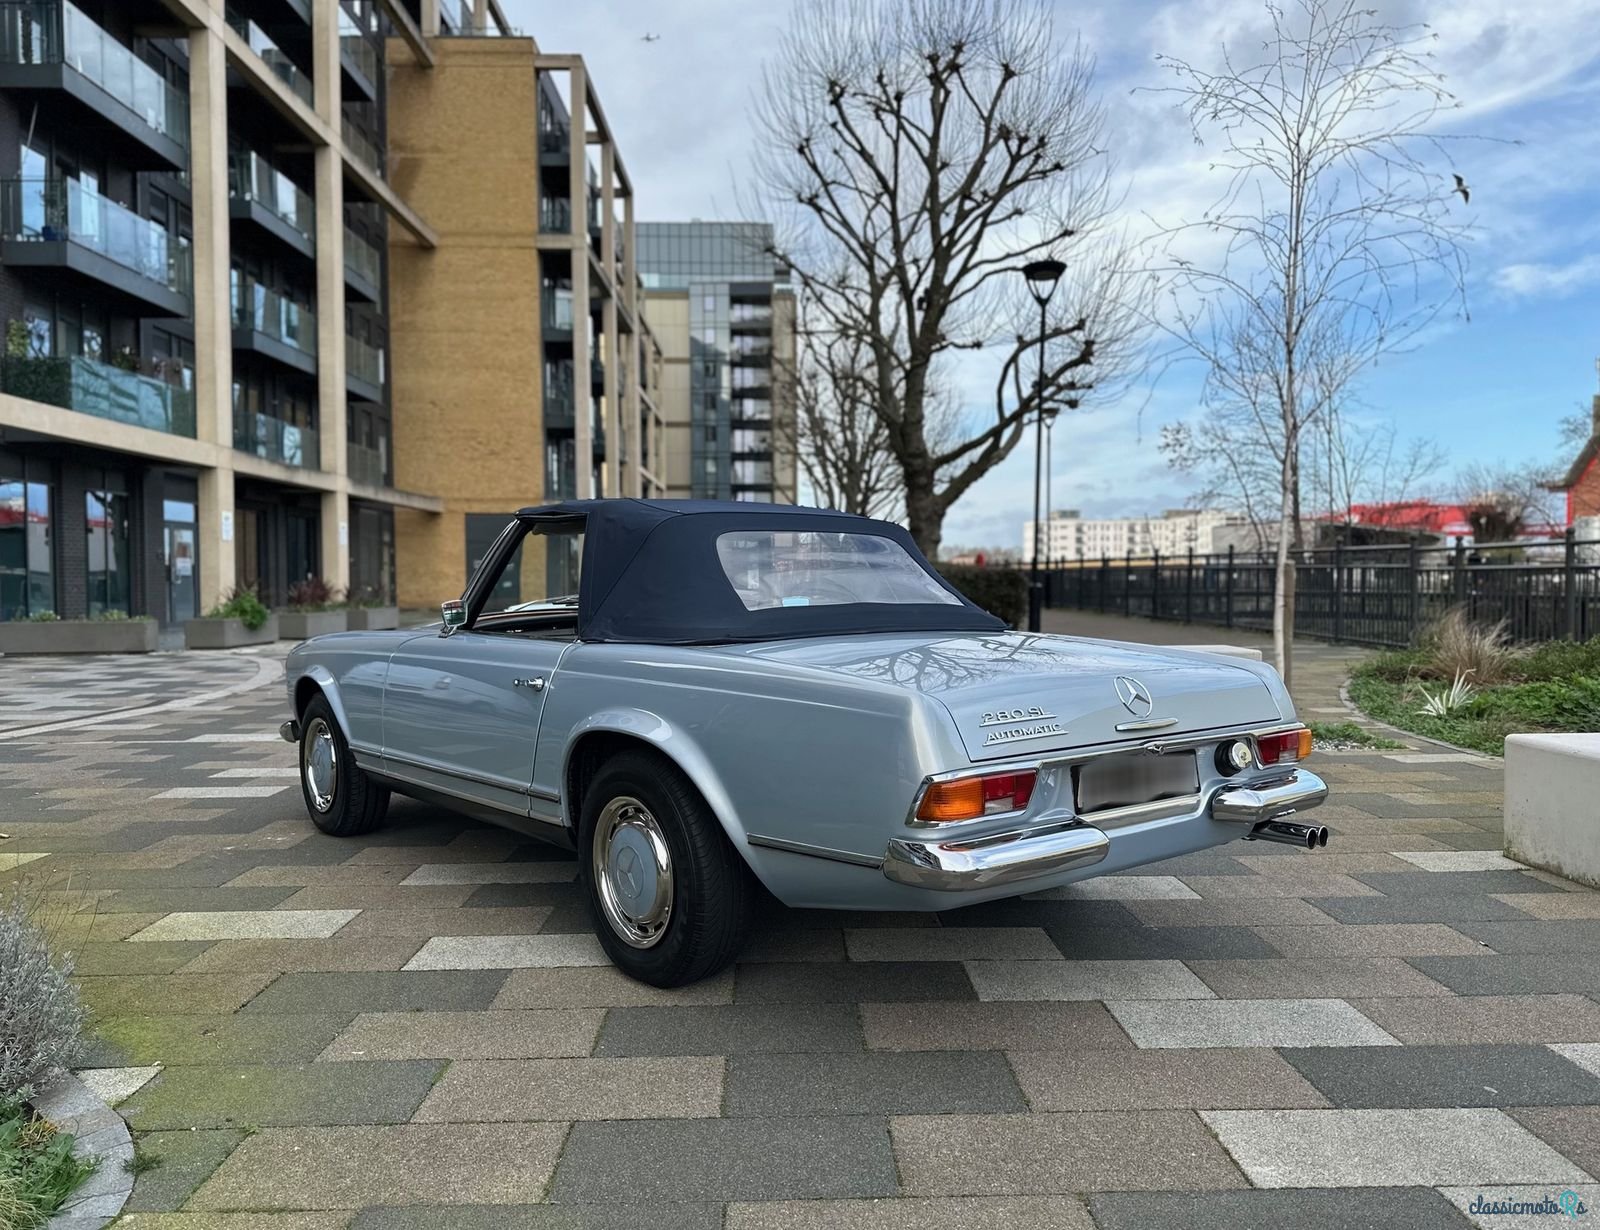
(110, 585)
(27, 573)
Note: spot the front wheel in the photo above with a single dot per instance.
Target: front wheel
(340, 798)
(671, 897)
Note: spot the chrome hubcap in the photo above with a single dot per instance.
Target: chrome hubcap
(632, 872)
(319, 763)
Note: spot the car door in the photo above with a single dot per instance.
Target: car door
(462, 706)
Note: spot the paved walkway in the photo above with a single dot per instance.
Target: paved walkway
(416, 1029)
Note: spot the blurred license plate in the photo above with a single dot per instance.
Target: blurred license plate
(1139, 777)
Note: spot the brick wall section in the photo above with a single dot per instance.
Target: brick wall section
(1584, 494)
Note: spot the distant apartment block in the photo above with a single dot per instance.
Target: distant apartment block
(299, 288)
(723, 310)
(1069, 536)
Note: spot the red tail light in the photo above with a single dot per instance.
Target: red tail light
(967, 798)
(1286, 747)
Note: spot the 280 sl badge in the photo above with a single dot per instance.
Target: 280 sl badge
(1038, 723)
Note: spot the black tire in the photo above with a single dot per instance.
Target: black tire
(711, 889)
(354, 804)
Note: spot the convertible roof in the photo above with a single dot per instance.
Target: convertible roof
(651, 575)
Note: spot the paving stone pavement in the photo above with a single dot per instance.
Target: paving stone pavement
(415, 1029)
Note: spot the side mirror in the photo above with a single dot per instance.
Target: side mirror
(454, 613)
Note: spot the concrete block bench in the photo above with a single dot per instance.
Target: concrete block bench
(1553, 804)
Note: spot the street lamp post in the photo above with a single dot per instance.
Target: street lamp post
(1043, 276)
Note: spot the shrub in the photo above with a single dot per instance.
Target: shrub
(243, 604)
(41, 1016)
(1446, 701)
(1562, 660)
(1000, 591)
(37, 1168)
(1453, 646)
(43, 617)
(313, 594)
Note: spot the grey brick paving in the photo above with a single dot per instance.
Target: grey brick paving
(1268, 1038)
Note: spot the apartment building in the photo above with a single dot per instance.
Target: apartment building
(523, 370)
(210, 250)
(1069, 536)
(725, 316)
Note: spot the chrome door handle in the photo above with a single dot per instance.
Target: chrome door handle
(536, 683)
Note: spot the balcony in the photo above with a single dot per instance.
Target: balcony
(750, 315)
(560, 398)
(274, 440)
(270, 324)
(555, 215)
(52, 46)
(555, 313)
(364, 150)
(268, 199)
(364, 369)
(273, 56)
(367, 465)
(62, 225)
(363, 267)
(103, 390)
(358, 57)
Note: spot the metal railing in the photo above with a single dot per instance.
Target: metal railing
(357, 47)
(364, 362)
(555, 306)
(103, 390)
(64, 210)
(360, 257)
(56, 32)
(252, 178)
(274, 440)
(274, 314)
(555, 215)
(1363, 595)
(270, 54)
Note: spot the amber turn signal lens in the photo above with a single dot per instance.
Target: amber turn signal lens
(967, 798)
(1286, 747)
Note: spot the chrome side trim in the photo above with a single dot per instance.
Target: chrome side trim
(394, 763)
(1147, 724)
(800, 847)
(1004, 858)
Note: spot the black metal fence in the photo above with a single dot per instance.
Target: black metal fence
(1364, 595)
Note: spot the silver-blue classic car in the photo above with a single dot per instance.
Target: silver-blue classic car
(743, 692)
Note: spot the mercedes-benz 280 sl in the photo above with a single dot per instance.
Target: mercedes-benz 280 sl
(740, 693)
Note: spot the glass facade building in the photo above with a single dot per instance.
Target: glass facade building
(737, 293)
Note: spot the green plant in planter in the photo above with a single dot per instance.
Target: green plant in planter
(116, 615)
(126, 358)
(314, 594)
(17, 339)
(243, 604)
(43, 617)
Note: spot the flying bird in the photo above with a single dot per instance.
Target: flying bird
(1461, 187)
(650, 38)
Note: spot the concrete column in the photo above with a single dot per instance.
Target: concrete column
(611, 351)
(480, 16)
(578, 177)
(631, 403)
(213, 327)
(430, 19)
(331, 392)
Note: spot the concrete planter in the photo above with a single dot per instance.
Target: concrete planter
(303, 625)
(79, 636)
(373, 618)
(228, 633)
(1552, 782)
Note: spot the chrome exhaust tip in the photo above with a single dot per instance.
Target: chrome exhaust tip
(1306, 836)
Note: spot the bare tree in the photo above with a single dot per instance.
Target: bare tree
(1353, 462)
(1336, 239)
(920, 152)
(1506, 502)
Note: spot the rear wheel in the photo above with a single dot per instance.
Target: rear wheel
(340, 798)
(671, 897)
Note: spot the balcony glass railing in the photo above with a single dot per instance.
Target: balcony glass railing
(555, 215)
(278, 317)
(367, 465)
(365, 152)
(252, 178)
(55, 32)
(274, 440)
(749, 313)
(103, 390)
(362, 361)
(270, 54)
(556, 307)
(63, 210)
(357, 48)
(361, 258)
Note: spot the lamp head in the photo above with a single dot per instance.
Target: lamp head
(1043, 276)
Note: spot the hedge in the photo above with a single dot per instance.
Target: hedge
(1000, 591)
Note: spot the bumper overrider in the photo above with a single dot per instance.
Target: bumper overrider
(955, 865)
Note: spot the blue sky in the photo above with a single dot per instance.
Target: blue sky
(1490, 389)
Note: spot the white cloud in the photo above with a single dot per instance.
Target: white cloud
(1548, 281)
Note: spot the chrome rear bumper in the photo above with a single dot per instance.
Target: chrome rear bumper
(1299, 791)
(984, 862)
